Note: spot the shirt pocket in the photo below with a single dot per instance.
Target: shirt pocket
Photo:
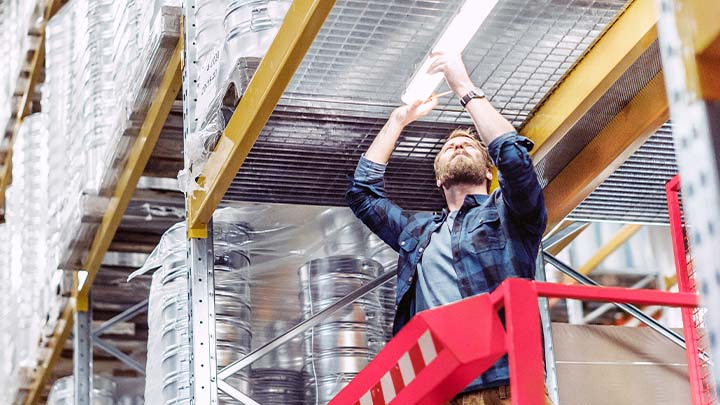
(487, 233)
(407, 243)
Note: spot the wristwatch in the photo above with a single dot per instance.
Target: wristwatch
(474, 93)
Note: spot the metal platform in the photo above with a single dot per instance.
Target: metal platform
(315, 135)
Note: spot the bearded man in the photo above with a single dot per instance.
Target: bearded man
(480, 239)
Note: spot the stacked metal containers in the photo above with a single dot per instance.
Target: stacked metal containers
(232, 37)
(8, 324)
(35, 285)
(125, 58)
(209, 37)
(174, 346)
(63, 391)
(277, 377)
(340, 347)
(96, 88)
(79, 99)
(277, 386)
(233, 314)
(167, 370)
(20, 17)
(251, 25)
(58, 93)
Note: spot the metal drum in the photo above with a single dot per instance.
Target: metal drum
(233, 313)
(326, 388)
(342, 345)
(274, 386)
(63, 391)
(251, 25)
(208, 17)
(169, 348)
(176, 388)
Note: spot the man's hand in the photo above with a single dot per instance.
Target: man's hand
(407, 114)
(384, 143)
(452, 66)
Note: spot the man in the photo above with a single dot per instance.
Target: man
(483, 239)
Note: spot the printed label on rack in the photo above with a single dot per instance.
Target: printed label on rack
(207, 83)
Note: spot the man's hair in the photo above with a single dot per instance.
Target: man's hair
(468, 133)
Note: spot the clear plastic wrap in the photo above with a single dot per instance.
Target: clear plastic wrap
(163, 35)
(167, 370)
(34, 290)
(155, 30)
(100, 45)
(230, 47)
(63, 391)
(297, 261)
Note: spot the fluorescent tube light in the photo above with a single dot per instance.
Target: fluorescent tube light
(454, 39)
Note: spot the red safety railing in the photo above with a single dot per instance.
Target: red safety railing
(701, 383)
(442, 350)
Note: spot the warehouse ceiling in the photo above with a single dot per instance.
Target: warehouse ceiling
(360, 63)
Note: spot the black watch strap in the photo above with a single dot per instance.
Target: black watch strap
(474, 93)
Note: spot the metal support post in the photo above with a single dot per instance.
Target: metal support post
(201, 294)
(575, 311)
(203, 362)
(551, 380)
(689, 37)
(82, 353)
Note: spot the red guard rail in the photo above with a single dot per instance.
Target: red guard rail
(442, 350)
(701, 388)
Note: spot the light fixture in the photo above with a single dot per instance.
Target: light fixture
(453, 40)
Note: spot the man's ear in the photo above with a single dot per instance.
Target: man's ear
(489, 175)
(437, 182)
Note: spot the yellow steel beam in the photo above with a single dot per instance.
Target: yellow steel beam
(622, 236)
(138, 158)
(60, 335)
(298, 31)
(619, 239)
(698, 23)
(611, 147)
(37, 64)
(625, 39)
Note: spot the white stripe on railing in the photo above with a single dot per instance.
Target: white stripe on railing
(406, 369)
(366, 399)
(427, 347)
(388, 388)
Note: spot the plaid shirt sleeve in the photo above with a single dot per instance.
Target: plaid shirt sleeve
(519, 184)
(368, 199)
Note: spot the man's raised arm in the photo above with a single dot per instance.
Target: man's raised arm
(521, 190)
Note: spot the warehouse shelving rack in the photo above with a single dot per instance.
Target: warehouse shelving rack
(607, 66)
(35, 68)
(613, 63)
(77, 311)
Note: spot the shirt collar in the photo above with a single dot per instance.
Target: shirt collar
(471, 200)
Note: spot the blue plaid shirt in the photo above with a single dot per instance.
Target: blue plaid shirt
(493, 238)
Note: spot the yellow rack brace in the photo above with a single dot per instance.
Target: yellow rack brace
(630, 35)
